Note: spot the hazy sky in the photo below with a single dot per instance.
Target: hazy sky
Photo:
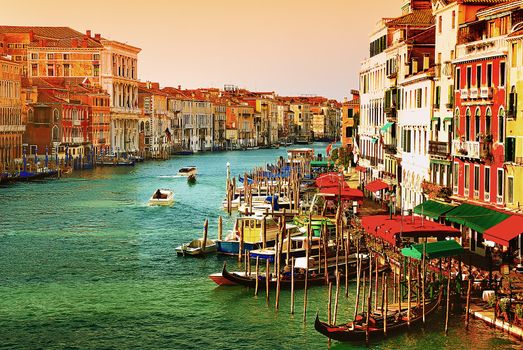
(292, 47)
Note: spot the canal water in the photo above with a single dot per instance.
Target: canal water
(86, 264)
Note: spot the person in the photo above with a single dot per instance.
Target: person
(158, 194)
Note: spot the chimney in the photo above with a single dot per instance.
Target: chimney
(414, 66)
(155, 86)
(31, 35)
(147, 84)
(88, 33)
(84, 42)
(97, 36)
(426, 61)
(179, 87)
(74, 42)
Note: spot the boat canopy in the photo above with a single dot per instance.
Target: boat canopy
(434, 250)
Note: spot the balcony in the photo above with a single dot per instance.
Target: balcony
(486, 92)
(77, 140)
(390, 148)
(12, 128)
(464, 94)
(473, 93)
(481, 48)
(101, 140)
(466, 149)
(437, 148)
(76, 122)
(390, 113)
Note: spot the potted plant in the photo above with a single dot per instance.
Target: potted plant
(503, 307)
(518, 314)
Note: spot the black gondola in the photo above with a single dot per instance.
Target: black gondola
(396, 322)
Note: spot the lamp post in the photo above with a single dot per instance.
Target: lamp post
(390, 195)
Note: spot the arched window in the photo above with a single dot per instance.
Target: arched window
(501, 125)
(55, 133)
(488, 121)
(30, 115)
(477, 124)
(56, 115)
(467, 124)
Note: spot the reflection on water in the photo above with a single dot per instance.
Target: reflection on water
(85, 263)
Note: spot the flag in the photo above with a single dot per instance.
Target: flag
(328, 149)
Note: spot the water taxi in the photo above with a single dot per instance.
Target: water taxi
(162, 197)
(188, 171)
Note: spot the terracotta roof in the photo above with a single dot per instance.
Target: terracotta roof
(482, 2)
(53, 36)
(419, 18)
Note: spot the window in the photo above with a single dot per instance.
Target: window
(467, 125)
(50, 56)
(467, 176)
(453, 19)
(478, 76)
(96, 57)
(477, 120)
(469, 77)
(510, 149)
(96, 70)
(488, 122)
(437, 98)
(512, 103)
(487, 179)
(514, 55)
(456, 122)
(50, 70)
(476, 178)
(492, 29)
(34, 56)
(455, 175)
(67, 71)
(500, 182)
(66, 56)
(510, 189)
(501, 125)
(458, 79)
(34, 70)
(502, 74)
(489, 74)
(503, 25)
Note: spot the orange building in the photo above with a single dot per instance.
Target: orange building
(11, 126)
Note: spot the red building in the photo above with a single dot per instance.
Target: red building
(479, 114)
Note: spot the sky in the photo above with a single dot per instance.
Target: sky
(292, 47)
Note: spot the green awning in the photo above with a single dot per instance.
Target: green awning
(477, 218)
(433, 209)
(447, 119)
(386, 126)
(434, 250)
(320, 164)
(440, 161)
(373, 140)
(435, 119)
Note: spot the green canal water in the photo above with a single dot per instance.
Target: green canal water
(86, 264)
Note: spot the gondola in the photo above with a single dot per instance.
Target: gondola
(396, 322)
(313, 278)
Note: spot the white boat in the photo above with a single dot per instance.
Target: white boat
(162, 197)
(188, 171)
(195, 247)
(235, 203)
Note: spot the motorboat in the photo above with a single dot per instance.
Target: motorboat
(162, 197)
(191, 179)
(196, 247)
(188, 171)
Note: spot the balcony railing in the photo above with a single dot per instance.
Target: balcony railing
(76, 122)
(466, 149)
(390, 148)
(481, 47)
(390, 113)
(77, 139)
(486, 92)
(473, 93)
(101, 140)
(437, 148)
(464, 94)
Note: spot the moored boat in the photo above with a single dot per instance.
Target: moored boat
(196, 247)
(397, 321)
(191, 179)
(162, 196)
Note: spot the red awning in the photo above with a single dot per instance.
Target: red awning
(331, 180)
(347, 193)
(376, 185)
(506, 230)
(361, 168)
(410, 226)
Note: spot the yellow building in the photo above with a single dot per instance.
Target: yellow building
(514, 123)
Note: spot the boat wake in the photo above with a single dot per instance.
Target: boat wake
(169, 176)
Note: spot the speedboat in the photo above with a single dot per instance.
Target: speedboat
(195, 247)
(188, 171)
(162, 197)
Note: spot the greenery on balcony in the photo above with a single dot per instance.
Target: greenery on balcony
(432, 190)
